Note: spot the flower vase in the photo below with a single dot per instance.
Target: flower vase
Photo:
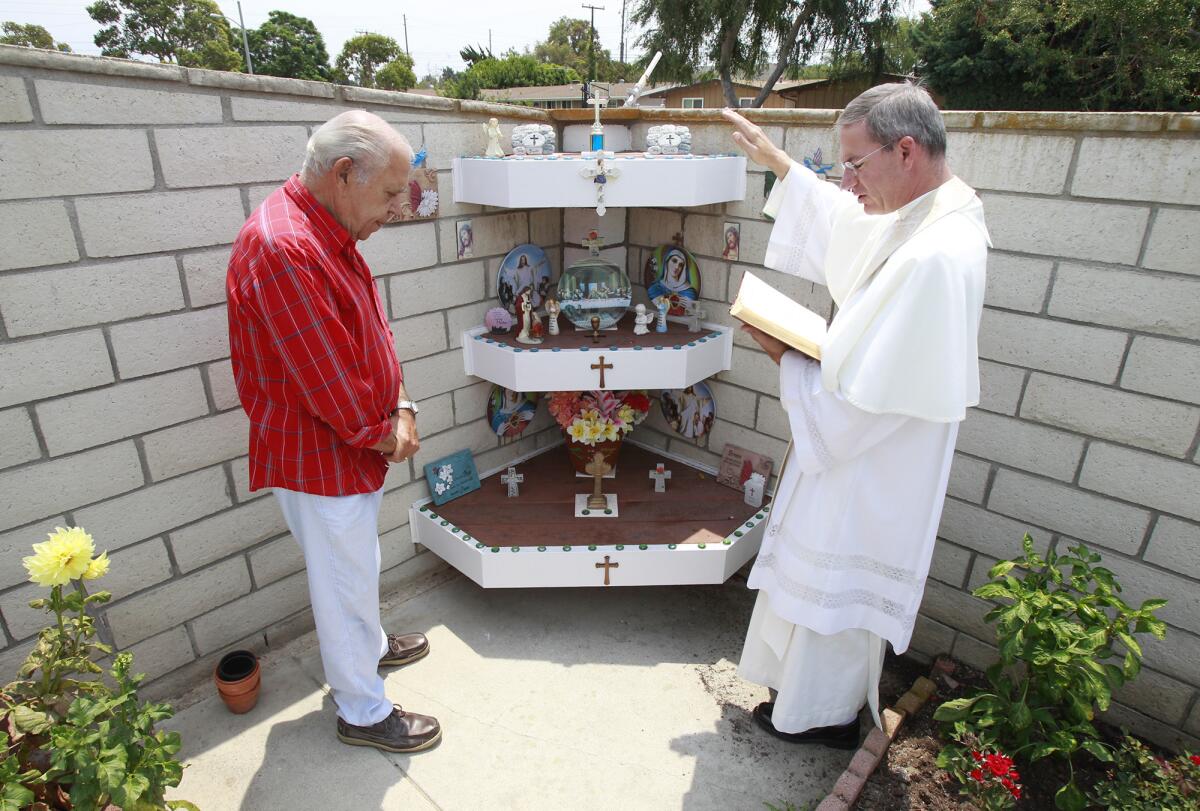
(581, 455)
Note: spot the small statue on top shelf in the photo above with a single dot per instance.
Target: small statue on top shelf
(492, 130)
(531, 322)
(642, 320)
(552, 313)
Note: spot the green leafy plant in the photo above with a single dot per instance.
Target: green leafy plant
(1140, 780)
(70, 739)
(1058, 629)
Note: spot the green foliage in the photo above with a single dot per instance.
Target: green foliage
(1139, 780)
(95, 742)
(192, 33)
(30, 36)
(514, 70)
(373, 60)
(1058, 629)
(1063, 54)
(397, 74)
(475, 53)
(291, 46)
(569, 43)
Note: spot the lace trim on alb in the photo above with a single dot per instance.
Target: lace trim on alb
(866, 563)
(797, 254)
(841, 599)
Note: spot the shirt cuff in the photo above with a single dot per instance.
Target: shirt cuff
(371, 435)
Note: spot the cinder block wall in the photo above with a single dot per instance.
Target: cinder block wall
(1090, 342)
(122, 185)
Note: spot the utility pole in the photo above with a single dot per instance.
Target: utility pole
(623, 32)
(489, 40)
(406, 50)
(245, 40)
(592, 57)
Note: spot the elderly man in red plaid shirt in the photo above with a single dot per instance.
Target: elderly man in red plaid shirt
(316, 370)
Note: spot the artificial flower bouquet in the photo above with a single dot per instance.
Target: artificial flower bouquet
(592, 417)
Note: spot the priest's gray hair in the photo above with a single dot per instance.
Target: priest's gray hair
(895, 110)
(363, 137)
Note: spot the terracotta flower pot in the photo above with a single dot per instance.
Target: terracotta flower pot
(581, 455)
(237, 677)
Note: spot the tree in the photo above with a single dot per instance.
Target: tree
(363, 56)
(192, 33)
(475, 53)
(514, 70)
(743, 37)
(569, 44)
(287, 45)
(1055, 54)
(30, 36)
(397, 74)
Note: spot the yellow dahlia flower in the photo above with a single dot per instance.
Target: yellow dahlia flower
(64, 557)
(97, 568)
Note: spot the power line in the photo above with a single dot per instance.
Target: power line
(592, 56)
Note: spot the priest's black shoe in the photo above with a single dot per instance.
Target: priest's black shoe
(844, 736)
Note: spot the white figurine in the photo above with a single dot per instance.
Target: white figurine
(492, 130)
(660, 474)
(642, 320)
(753, 489)
(661, 324)
(529, 334)
(552, 312)
(513, 479)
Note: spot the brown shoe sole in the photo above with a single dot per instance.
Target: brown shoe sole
(380, 745)
(385, 662)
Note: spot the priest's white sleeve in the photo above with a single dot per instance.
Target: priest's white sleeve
(826, 429)
(803, 207)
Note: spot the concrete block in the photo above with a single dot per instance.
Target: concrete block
(161, 654)
(396, 547)
(876, 742)
(813, 296)
(447, 141)
(738, 405)
(909, 703)
(1167, 169)
(46, 367)
(87, 103)
(727, 432)
(397, 248)
(618, 256)
(260, 109)
(1036, 164)
(103, 415)
(991, 533)
(36, 233)
(1140, 582)
(257, 194)
(157, 344)
(470, 403)
(226, 533)
(1131, 419)
(968, 478)
(472, 315)
(1021, 444)
(751, 206)
(80, 296)
(1091, 518)
(1068, 228)
(156, 509)
(448, 207)
(147, 223)
(578, 222)
(848, 787)
(476, 437)
(980, 568)
(47, 488)
(14, 101)
(240, 468)
(260, 83)
(772, 419)
(931, 637)
(49, 163)
(495, 235)
(437, 415)
(705, 236)
(251, 613)
(1174, 545)
(13, 657)
(419, 335)
(1143, 478)
(976, 654)
(753, 370)
(1000, 387)
(1192, 724)
(1128, 299)
(651, 227)
(435, 374)
(863, 762)
(177, 601)
(1017, 282)
(20, 442)
(1172, 242)
(1158, 696)
(17, 543)
(400, 474)
(1052, 346)
(223, 156)
(204, 274)
(949, 563)
(221, 385)
(803, 142)
(1165, 368)
(546, 225)
(275, 560)
(196, 444)
(1164, 735)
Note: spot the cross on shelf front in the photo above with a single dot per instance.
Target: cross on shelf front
(602, 366)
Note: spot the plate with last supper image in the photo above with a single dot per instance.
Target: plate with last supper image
(690, 412)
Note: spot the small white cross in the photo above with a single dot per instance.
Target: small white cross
(660, 474)
(512, 478)
(597, 102)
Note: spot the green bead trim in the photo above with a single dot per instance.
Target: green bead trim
(445, 523)
(541, 549)
(433, 516)
(479, 546)
(670, 546)
(424, 508)
(737, 534)
(587, 512)
(727, 542)
(591, 547)
(700, 545)
(466, 537)
(516, 548)
(643, 546)
(761, 515)
(495, 549)
(566, 549)
(455, 530)
(620, 546)
(749, 525)
(607, 511)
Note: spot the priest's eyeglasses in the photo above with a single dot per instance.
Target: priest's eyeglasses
(853, 166)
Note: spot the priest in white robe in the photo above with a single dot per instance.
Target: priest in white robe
(902, 247)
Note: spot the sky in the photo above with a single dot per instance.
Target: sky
(435, 32)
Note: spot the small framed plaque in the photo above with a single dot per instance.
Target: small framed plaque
(738, 463)
(451, 476)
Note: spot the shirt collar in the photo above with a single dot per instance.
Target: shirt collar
(324, 226)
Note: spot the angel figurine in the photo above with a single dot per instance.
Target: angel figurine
(492, 130)
(642, 320)
(552, 312)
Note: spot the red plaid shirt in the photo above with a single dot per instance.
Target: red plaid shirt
(313, 357)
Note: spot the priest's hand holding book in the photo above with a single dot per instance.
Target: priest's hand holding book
(774, 347)
(775, 321)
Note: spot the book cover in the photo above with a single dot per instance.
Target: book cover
(762, 306)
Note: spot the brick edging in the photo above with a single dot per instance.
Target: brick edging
(850, 783)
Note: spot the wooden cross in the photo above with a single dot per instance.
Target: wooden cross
(512, 478)
(597, 468)
(606, 566)
(660, 474)
(602, 366)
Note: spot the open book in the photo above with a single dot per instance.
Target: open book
(762, 306)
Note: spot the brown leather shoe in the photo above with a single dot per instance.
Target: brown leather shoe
(404, 649)
(399, 732)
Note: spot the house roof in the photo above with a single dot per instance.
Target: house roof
(755, 83)
(558, 92)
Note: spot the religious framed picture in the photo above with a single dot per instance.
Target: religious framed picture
(525, 266)
(451, 476)
(510, 412)
(672, 273)
(422, 200)
(738, 463)
(733, 241)
(464, 239)
(690, 412)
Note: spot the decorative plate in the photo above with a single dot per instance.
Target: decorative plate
(691, 411)
(672, 271)
(524, 266)
(510, 412)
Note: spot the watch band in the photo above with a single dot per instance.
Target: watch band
(408, 405)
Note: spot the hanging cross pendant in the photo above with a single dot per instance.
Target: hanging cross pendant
(606, 566)
(600, 175)
(602, 366)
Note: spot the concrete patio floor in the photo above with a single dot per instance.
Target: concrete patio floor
(555, 698)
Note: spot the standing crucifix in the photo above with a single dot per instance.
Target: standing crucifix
(513, 479)
(602, 366)
(597, 468)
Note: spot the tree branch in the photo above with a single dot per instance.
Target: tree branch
(785, 48)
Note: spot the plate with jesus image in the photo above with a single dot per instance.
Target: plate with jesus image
(510, 412)
(690, 412)
(524, 266)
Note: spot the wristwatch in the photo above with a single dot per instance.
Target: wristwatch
(408, 404)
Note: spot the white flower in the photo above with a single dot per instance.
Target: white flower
(446, 472)
(429, 203)
(440, 488)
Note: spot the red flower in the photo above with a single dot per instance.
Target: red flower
(998, 764)
(1196, 760)
(977, 775)
(978, 757)
(637, 401)
(1016, 792)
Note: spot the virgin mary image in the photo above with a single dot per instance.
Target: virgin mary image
(509, 412)
(676, 277)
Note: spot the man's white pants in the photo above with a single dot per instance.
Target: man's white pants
(823, 680)
(339, 536)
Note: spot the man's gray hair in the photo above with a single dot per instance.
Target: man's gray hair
(895, 110)
(363, 137)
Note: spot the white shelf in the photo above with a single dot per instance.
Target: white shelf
(558, 181)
